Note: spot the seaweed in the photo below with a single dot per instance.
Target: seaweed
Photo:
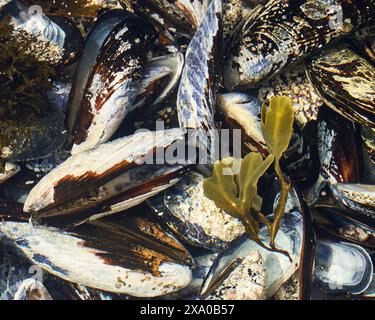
(24, 79)
(233, 185)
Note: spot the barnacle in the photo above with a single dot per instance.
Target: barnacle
(24, 79)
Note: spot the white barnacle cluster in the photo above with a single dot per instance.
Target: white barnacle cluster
(298, 88)
(201, 211)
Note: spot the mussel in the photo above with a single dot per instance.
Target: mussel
(112, 82)
(30, 137)
(183, 16)
(196, 99)
(108, 179)
(131, 255)
(357, 197)
(345, 82)
(279, 268)
(281, 32)
(194, 217)
(160, 79)
(59, 39)
(339, 154)
(342, 267)
(343, 225)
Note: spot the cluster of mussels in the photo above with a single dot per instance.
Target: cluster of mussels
(82, 217)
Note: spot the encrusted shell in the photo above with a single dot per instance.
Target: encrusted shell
(194, 217)
(295, 85)
(345, 82)
(284, 31)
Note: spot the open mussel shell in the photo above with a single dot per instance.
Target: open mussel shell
(31, 137)
(112, 84)
(10, 169)
(110, 178)
(358, 197)
(127, 255)
(160, 79)
(290, 238)
(360, 193)
(281, 32)
(342, 267)
(182, 16)
(58, 35)
(345, 82)
(341, 224)
(192, 216)
(339, 150)
(196, 98)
